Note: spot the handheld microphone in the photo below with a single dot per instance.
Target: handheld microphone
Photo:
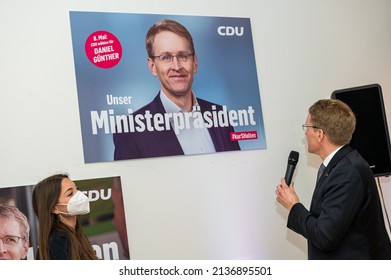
(292, 161)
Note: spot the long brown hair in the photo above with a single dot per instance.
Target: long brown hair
(45, 198)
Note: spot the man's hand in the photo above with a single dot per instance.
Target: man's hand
(286, 195)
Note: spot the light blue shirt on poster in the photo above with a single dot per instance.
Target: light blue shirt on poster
(192, 140)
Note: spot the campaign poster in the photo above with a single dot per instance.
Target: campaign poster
(105, 225)
(116, 88)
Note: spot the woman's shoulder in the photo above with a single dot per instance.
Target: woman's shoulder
(59, 235)
(59, 245)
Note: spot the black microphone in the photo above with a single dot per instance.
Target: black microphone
(292, 161)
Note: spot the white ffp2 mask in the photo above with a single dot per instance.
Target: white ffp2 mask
(79, 204)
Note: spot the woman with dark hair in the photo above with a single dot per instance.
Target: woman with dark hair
(58, 204)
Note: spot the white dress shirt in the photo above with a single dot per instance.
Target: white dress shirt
(192, 140)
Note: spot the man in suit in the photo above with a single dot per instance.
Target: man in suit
(172, 59)
(345, 220)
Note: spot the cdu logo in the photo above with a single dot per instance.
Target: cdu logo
(230, 30)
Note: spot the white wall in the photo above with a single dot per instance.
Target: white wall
(305, 49)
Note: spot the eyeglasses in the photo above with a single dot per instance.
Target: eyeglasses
(168, 58)
(11, 240)
(304, 126)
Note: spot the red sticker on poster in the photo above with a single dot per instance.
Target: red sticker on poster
(103, 49)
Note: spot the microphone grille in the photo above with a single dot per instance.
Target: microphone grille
(293, 158)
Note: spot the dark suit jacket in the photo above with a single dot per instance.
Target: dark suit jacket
(165, 143)
(345, 220)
